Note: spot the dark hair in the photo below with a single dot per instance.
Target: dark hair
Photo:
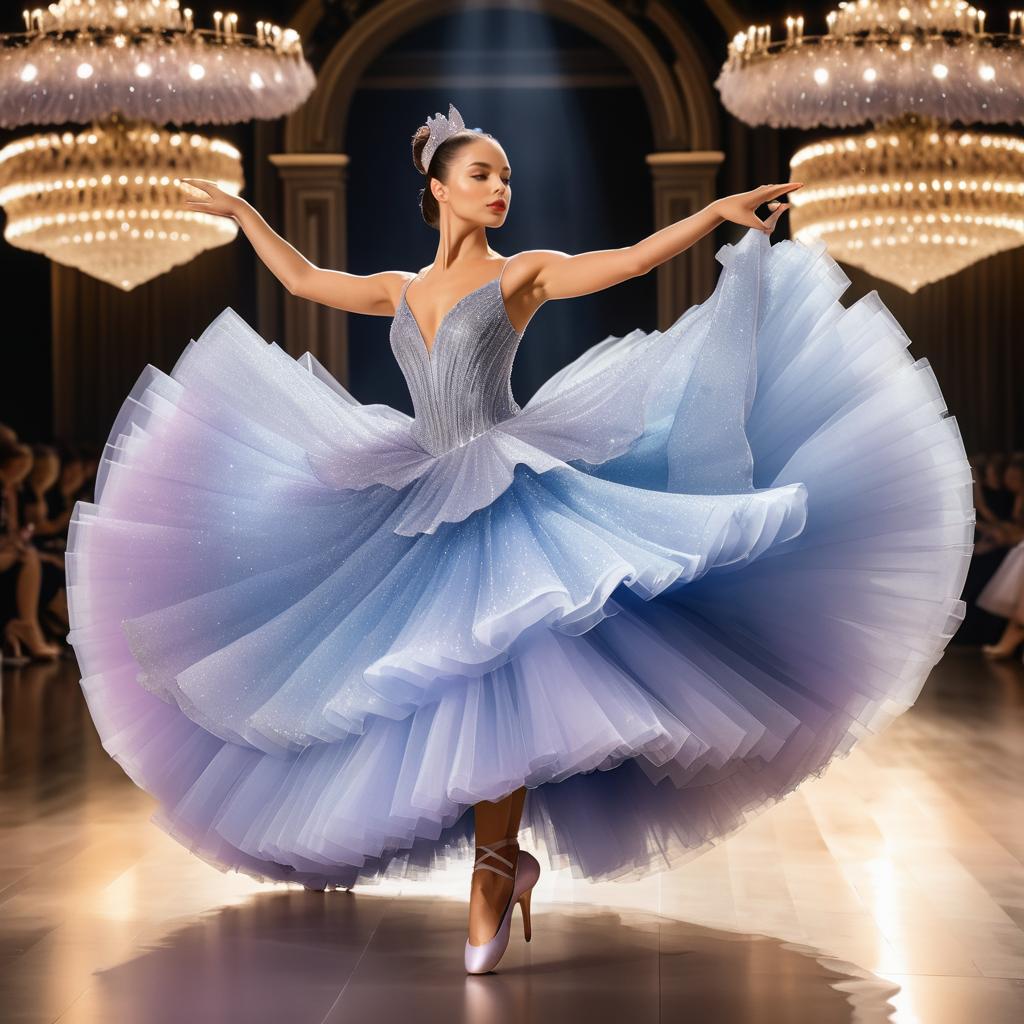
(440, 164)
(10, 451)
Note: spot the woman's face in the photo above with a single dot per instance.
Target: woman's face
(479, 177)
(994, 475)
(1013, 479)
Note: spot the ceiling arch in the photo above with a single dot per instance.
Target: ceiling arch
(678, 98)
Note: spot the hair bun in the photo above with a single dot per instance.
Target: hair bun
(419, 141)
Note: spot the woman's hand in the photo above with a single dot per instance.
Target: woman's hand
(739, 209)
(219, 202)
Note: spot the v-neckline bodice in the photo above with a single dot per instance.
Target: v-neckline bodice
(429, 352)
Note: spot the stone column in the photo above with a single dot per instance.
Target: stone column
(684, 182)
(314, 187)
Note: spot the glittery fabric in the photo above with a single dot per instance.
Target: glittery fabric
(468, 433)
(690, 572)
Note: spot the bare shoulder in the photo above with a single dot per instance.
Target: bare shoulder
(522, 289)
(395, 281)
(525, 267)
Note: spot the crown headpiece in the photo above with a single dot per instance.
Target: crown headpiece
(441, 128)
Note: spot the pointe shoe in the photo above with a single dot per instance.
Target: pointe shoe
(481, 959)
(18, 632)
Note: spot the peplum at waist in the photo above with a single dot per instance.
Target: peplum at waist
(438, 434)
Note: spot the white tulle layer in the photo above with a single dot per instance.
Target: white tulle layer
(658, 644)
(1003, 594)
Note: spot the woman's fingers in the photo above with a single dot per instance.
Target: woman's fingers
(780, 208)
(202, 185)
(767, 192)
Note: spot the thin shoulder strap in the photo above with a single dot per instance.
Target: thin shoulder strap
(405, 288)
(501, 274)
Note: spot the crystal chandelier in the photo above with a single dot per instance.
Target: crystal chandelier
(104, 199)
(879, 59)
(81, 61)
(914, 199)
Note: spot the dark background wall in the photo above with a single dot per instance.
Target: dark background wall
(578, 185)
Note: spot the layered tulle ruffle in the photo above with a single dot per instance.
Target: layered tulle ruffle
(317, 646)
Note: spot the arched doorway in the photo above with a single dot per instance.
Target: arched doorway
(677, 101)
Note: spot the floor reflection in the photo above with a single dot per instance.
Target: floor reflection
(303, 957)
(892, 888)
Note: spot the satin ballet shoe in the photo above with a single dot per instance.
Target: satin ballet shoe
(481, 959)
(18, 632)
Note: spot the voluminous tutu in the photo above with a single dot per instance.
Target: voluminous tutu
(696, 567)
(1004, 593)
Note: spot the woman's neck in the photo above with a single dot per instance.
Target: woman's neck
(462, 247)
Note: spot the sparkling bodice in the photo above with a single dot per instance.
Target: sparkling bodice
(463, 386)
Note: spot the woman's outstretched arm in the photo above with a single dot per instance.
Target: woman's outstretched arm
(557, 275)
(375, 294)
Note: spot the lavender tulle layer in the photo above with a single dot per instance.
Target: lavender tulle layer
(697, 566)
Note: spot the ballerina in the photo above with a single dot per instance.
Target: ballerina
(691, 571)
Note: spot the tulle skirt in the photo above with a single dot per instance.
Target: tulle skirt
(317, 673)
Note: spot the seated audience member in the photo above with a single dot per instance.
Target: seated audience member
(1003, 594)
(20, 564)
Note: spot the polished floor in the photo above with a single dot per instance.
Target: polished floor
(890, 889)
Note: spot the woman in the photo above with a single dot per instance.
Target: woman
(680, 579)
(21, 565)
(49, 535)
(1003, 595)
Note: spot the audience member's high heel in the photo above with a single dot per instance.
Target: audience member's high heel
(1011, 639)
(56, 629)
(996, 651)
(18, 632)
(481, 959)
